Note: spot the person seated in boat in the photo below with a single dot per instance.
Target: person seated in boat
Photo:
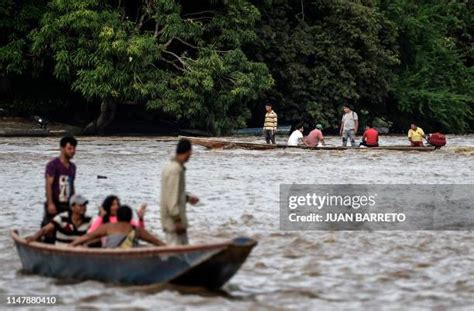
(108, 213)
(315, 137)
(416, 135)
(68, 225)
(120, 234)
(296, 138)
(370, 137)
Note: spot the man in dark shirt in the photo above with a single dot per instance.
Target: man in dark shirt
(60, 175)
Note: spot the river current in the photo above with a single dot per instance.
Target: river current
(239, 192)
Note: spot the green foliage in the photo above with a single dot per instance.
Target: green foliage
(325, 54)
(188, 65)
(436, 78)
(210, 64)
(16, 21)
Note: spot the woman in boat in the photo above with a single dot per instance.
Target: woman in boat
(296, 138)
(108, 213)
(121, 234)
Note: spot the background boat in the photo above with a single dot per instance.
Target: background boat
(212, 143)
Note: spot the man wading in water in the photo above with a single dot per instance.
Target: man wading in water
(60, 175)
(174, 198)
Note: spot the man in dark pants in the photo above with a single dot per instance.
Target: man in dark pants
(270, 124)
(59, 178)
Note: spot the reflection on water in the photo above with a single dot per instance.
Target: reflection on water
(239, 193)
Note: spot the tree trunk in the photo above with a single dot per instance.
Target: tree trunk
(5, 85)
(108, 109)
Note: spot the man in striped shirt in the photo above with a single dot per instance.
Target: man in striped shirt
(270, 124)
(68, 225)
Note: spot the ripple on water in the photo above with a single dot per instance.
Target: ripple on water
(239, 191)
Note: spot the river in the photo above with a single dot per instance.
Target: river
(239, 191)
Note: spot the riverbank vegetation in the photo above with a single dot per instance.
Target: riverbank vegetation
(211, 65)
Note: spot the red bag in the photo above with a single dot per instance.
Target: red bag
(437, 139)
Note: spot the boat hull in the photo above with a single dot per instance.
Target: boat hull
(145, 265)
(216, 271)
(225, 144)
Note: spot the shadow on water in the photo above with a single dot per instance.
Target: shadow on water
(190, 290)
(152, 288)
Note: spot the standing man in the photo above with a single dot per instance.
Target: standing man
(315, 137)
(416, 135)
(270, 125)
(174, 197)
(370, 137)
(349, 126)
(59, 179)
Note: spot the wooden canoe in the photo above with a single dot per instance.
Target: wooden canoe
(226, 144)
(209, 265)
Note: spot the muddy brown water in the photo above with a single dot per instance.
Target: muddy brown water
(239, 191)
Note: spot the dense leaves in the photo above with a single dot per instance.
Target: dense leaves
(185, 63)
(327, 53)
(436, 77)
(212, 64)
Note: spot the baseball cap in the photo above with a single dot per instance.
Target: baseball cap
(78, 199)
(319, 126)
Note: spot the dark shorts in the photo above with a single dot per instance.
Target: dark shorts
(47, 218)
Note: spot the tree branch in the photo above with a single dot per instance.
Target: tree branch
(229, 78)
(198, 13)
(186, 43)
(171, 63)
(168, 42)
(200, 18)
(177, 57)
(302, 9)
(138, 13)
(142, 20)
(137, 77)
(159, 31)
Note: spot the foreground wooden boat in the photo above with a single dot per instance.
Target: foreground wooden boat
(226, 144)
(209, 266)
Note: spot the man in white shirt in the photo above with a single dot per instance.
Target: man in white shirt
(296, 138)
(349, 126)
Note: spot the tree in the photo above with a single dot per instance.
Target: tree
(435, 83)
(323, 53)
(182, 59)
(16, 21)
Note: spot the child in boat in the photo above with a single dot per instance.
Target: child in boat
(120, 234)
(68, 225)
(108, 213)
